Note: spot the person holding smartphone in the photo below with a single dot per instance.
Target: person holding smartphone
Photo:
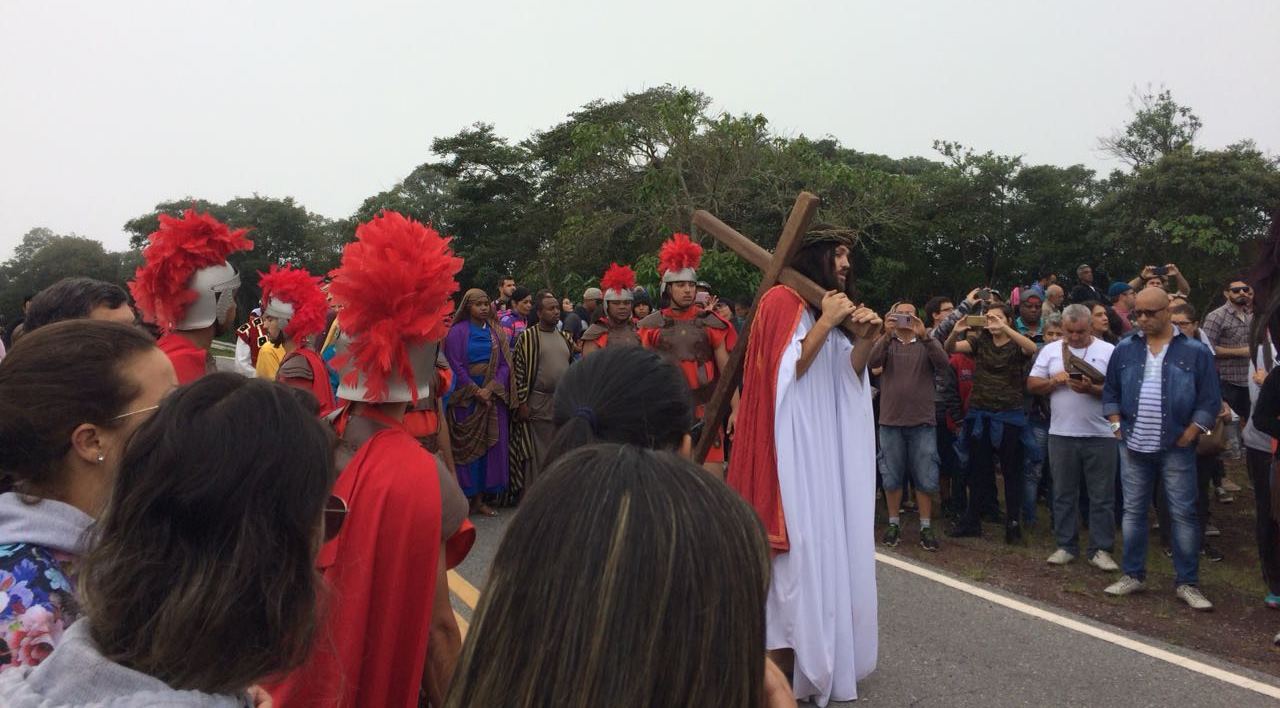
(1082, 448)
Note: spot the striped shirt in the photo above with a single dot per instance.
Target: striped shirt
(1148, 425)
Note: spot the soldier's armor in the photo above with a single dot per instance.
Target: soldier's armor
(686, 340)
(624, 336)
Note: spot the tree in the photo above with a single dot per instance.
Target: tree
(1159, 127)
(43, 258)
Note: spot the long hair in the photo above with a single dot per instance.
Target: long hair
(621, 395)
(203, 575)
(57, 378)
(657, 601)
(817, 262)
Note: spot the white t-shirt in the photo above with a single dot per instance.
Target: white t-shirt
(1075, 415)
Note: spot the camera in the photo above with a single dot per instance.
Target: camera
(1160, 271)
(975, 320)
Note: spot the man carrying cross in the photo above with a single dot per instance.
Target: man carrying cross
(805, 460)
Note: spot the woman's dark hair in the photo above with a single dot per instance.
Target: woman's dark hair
(621, 395)
(520, 293)
(72, 299)
(1114, 327)
(659, 601)
(203, 574)
(55, 379)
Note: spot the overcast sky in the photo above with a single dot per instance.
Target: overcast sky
(107, 108)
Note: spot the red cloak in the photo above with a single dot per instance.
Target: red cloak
(319, 383)
(381, 571)
(189, 361)
(754, 469)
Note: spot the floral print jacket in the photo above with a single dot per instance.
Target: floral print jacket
(37, 602)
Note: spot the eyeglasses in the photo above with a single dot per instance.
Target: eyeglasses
(335, 512)
(1242, 289)
(133, 413)
(1148, 313)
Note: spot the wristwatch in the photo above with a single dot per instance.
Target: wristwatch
(1115, 426)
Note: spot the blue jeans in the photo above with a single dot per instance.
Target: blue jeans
(1176, 468)
(916, 445)
(1031, 474)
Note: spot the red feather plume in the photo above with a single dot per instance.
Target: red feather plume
(679, 253)
(179, 248)
(394, 286)
(302, 290)
(619, 278)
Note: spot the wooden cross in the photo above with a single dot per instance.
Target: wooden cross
(776, 270)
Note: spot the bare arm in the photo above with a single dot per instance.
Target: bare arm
(835, 308)
(958, 340)
(1027, 346)
(445, 640)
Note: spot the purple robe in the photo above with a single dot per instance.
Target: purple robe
(489, 474)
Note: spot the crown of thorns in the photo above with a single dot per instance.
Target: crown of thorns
(826, 233)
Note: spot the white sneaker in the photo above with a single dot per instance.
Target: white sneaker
(1191, 595)
(1230, 486)
(1103, 561)
(1126, 585)
(1061, 557)
(1211, 530)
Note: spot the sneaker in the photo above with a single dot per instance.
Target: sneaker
(1061, 557)
(1272, 600)
(892, 535)
(1168, 551)
(1223, 496)
(1103, 561)
(1191, 595)
(1012, 532)
(1230, 486)
(928, 540)
(1210, 553)
(1126, 585)
(1211, 530)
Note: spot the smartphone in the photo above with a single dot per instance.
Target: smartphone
(1076, 375)
(984, 294)
(976, 320)
(900, 320)
(1160, 271)
(702, 298)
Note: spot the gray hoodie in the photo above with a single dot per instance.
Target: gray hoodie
(76, 674)
(52, 524)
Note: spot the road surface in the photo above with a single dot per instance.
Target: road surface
(942, 645)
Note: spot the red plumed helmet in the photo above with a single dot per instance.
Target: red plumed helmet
(679, 259)
(394, 287)
(619, 279)
(300, 291)
(178, 250)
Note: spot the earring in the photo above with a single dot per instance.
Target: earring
(101, 458)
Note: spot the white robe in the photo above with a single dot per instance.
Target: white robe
(822, 597)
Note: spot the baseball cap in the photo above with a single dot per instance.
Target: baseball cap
(592, 294)
(1033, 291)
(1118, 288)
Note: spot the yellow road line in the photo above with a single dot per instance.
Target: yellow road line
(463, 589)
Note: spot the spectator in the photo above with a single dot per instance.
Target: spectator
(1105, 322)
(1085, 290)
(598, 400)
(1053, 299)
(1161, 393)
(16, 327)
(1157, 277)
(740, 311)
(591, 309)
(79, 298)
(1029, 309)
(1122, 296)
(724, 308)
(997, 422)
(1045, 278)
(663, 553)
(71, 394)
(1208, 464)
(516, 319)
(1082, 448)
(1228, 331)
(506, 288)
(1053, 331)
(642, 306)
(539, 360)
(948, 409)
(1260, 434)
(936, 310)
(164, 598)
(910, 361)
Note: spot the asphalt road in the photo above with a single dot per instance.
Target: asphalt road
(940, 646)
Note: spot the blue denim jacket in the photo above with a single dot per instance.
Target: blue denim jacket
(1190, 385)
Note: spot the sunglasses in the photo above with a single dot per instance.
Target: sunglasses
(1242, 289)
(335, 512)
(1148, 313)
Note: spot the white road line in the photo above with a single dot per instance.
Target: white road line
(1087, 629)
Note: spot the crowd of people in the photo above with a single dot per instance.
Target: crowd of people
(171, 533)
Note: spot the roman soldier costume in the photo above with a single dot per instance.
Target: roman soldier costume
(250, 337)
(293, 297)
(618, 283)
(186, 284)
(688, 338)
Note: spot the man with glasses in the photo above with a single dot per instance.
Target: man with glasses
(1228, 330)
(1161, 393)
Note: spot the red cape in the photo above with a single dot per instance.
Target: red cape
(754, 469)
(381, 571)
(319, 383)
(189, 361)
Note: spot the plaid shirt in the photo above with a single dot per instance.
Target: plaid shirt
(1226, 327)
